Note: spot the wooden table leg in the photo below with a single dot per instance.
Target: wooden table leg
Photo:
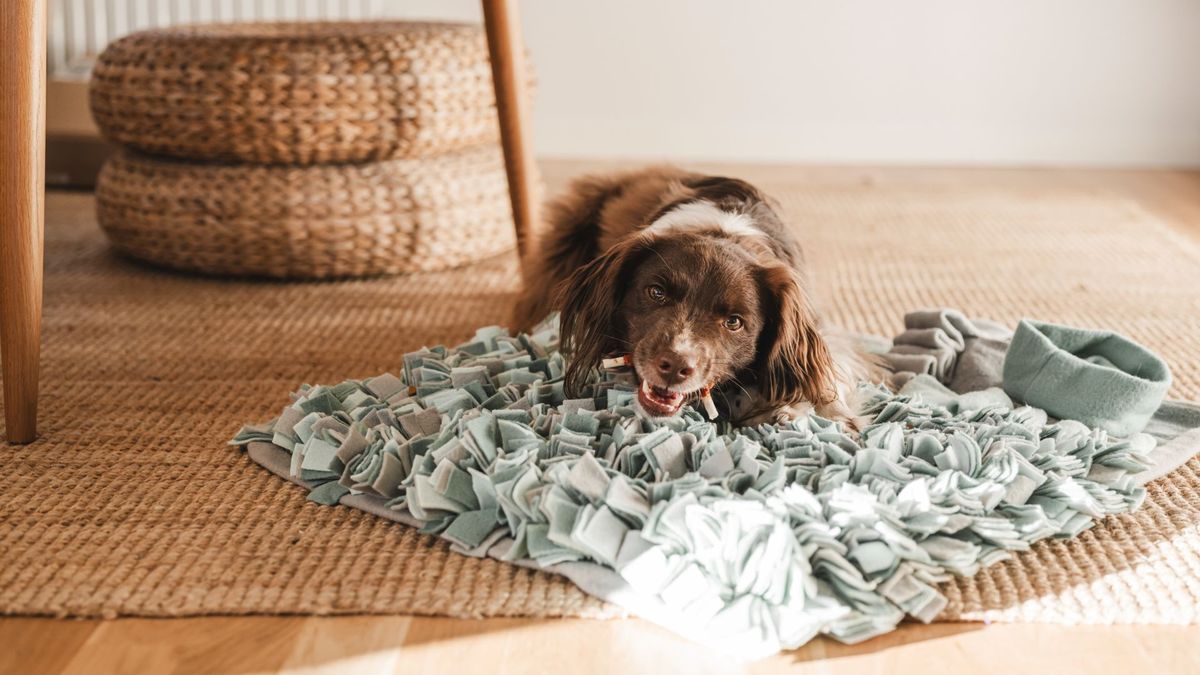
(22, 196)
(503, 26)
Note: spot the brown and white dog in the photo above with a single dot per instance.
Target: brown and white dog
(698, 279)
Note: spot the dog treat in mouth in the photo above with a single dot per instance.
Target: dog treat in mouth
(710, 408)
(617, 362)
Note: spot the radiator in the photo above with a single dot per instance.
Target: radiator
(80, 29)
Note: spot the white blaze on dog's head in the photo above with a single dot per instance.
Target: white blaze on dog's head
(682, 342)
(703, 214)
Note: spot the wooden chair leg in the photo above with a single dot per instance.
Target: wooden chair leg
(22, 196)
(503, 25)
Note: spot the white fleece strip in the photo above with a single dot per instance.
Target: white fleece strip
(705, 214)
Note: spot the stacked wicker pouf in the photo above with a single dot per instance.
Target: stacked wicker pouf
(308, 150)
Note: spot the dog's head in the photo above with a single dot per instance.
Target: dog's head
(694, 309)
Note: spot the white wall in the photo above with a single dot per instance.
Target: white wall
(1113, 82)
(863, 81)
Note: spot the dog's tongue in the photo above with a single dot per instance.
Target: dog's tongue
(658, 401)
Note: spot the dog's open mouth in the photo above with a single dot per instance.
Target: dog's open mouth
(660, 401)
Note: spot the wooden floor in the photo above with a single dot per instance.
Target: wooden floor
(351, 645)
(414, 644)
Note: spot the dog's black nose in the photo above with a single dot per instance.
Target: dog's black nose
(674, 368)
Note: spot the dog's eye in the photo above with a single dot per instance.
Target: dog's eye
(733, 323)
(656, 293)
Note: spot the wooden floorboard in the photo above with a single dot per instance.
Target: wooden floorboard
(395, 644)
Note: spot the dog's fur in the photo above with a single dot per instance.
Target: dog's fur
(700, 280)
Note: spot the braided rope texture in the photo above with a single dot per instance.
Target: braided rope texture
(131, 503)
(297, 93)
(321, 221)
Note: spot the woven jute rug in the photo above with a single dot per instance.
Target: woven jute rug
(131, 503)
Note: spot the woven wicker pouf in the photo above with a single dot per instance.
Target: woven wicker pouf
(386, 217)
(297, 93)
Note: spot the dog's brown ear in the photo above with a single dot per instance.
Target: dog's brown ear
(589, 324)
(794, 363)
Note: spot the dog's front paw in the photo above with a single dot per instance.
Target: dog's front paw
(836, 411)
(839, 412)
(790, 413)
(785, 416)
